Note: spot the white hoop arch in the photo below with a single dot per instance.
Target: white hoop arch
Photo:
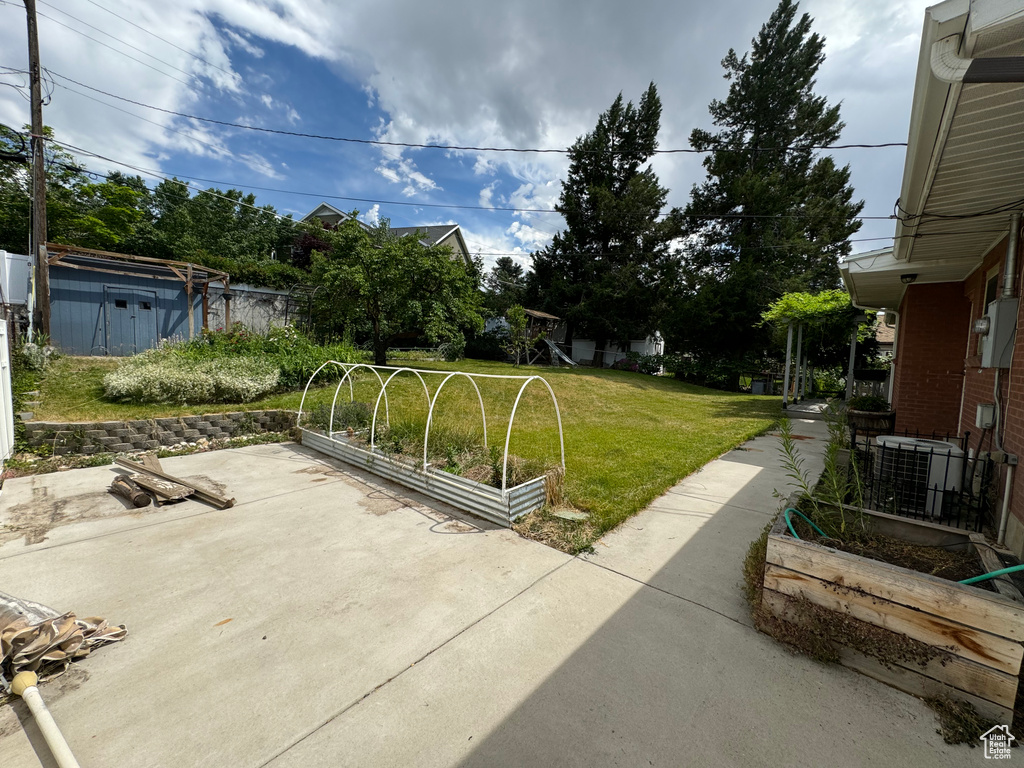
(343, 366)
(351, 392)
(384, 394)
(511, 419)
(433, 402)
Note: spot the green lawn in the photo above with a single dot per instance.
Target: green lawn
(628, 437)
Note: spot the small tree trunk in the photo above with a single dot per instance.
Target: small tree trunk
(380, 353)
(598, 361)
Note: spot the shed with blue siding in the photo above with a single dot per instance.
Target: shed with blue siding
(110, 304)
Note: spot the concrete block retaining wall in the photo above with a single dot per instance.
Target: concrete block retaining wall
(141, 435)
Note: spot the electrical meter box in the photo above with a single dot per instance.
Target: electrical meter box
(997, 344)
(986, 416)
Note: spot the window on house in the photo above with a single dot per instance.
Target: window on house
(145, 305)
(121, 303)
(991, 286)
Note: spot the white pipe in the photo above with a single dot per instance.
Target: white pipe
(1004, 515)
(24, 685)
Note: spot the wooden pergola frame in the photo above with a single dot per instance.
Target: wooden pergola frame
(192, 275)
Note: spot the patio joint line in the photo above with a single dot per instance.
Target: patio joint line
(425, 656)
(666, 592)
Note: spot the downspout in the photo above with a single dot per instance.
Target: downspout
(1009, 284)
(1009, 287)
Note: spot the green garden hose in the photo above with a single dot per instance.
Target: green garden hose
(993, 574)
(972, 580)
(793, 530)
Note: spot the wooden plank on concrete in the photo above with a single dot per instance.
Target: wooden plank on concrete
(970, 606)
(920, 682)
(165, 489)
(962, 640)
(220, 502)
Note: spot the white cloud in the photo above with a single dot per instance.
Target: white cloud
(372, 216)
(241, 42)
(261, 165)
(487, 195)
(521, 73)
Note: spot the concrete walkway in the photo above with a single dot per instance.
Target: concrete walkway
(368, 628)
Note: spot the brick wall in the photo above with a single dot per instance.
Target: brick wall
(938, 363)
(934, 322)
(120, 436)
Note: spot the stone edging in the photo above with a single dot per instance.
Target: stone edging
(148, 434)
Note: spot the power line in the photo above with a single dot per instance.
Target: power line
(454, 206)
(112, 37)
(163, 39)
(448, 147)
(115, 50)
(193, 137)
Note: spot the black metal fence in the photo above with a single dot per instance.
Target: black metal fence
(924, 477)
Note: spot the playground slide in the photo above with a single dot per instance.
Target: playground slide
(559, 355)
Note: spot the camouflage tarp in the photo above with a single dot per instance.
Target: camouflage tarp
(36, 638)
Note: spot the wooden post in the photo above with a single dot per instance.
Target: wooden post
(227, 306)
(38, 244)
(799, 351)
(206, 307)
(188, 293)
(789, 360)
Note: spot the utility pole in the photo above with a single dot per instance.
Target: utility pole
(38, 244)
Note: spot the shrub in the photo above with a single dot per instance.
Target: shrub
(489, 345)
(872, 403)
(295, 354)
(161, 377)
(650, 365)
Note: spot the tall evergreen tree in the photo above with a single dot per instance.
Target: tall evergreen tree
(773, 215)
(505, 286)
(602, 273)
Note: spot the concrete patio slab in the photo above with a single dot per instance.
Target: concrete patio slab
(250, 625)
(333, 619)
(589, 669)
(726, 504)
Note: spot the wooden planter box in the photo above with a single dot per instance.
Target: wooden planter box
(978, 634)
(872, 422)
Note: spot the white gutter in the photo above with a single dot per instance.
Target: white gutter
(947, 65)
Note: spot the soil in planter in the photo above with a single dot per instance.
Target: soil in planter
(953, 565)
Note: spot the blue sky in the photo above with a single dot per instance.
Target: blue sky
(518, 74)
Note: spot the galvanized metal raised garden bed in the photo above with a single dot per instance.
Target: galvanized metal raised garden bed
(498, 505)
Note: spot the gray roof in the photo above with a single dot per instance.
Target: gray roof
(431, 235)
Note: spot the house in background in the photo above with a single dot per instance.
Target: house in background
(953, 276)
(432, 234)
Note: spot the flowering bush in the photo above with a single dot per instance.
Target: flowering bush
(634, 361)
(159, 377)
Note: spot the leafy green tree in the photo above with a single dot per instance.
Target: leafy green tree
(505, 286)
(773, 215)
(604, 271)
(828, 318)
(518, 342)
(389, 285)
